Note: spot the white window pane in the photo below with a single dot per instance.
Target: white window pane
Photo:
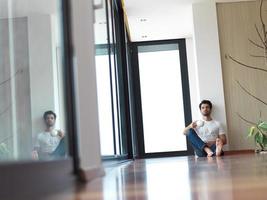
(162, 101)
(104, 105)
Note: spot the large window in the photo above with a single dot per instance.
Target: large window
(104, 84)
(162, 104)
(162, 98)
(32, 81)
(105, 105)
(109, 102)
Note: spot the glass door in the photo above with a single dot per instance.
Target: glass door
(105, 77)
(162, 93)
(109, 87)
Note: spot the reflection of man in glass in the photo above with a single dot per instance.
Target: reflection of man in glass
(49, 142)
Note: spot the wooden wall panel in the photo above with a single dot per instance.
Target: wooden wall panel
(236, 25)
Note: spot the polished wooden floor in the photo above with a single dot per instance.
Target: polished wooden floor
(229, 177)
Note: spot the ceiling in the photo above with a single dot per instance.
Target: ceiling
(147, 19)
(160, 20)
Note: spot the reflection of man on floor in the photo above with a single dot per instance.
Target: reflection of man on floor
(50, 144)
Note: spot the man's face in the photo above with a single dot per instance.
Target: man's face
(205, 110)
(50, 120)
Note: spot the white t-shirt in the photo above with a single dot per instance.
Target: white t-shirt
(209, 131)
(47, 142)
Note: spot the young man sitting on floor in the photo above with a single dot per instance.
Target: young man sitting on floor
(207, 135)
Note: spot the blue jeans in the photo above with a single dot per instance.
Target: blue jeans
(198, 144)
(60, 151)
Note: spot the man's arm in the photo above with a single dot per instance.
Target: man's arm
(36, 148)
(223, 138)
(35, 153)
(222, 135)
(192, 125)
(61, 134)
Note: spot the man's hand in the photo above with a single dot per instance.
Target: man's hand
(60, 134)
(193, 124)
(34, 155)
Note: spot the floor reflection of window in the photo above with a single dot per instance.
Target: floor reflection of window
(174, 178)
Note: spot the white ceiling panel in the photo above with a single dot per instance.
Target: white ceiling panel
(161, 19)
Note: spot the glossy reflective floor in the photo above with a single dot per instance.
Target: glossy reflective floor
(230, 177)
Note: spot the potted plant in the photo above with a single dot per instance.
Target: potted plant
(259, 133)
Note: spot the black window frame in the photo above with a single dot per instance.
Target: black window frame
(121, 73)
(137, 107)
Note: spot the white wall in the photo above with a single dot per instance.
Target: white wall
(41, 69)
(46, 71)
(85, 80)
(207, 57)
(193, 78)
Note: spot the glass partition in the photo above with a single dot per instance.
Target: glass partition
(104, 74)
(109, 86)
(32, 93)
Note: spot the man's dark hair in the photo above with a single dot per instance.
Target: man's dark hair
(205, 102)
(49, 112)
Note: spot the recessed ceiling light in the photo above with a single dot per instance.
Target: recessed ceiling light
(143, 20)
(144, 36)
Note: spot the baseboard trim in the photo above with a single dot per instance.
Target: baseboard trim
(90, 174)
(235, 152)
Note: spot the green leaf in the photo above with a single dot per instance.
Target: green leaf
(257, 138)
(261, 138)
(263, 126)
(251, 131)
(264, 141)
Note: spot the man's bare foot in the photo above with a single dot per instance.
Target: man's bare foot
(219, 146)
(208, 151)
(210, 154)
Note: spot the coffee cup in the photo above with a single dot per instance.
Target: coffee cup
(54, 133)
(200, 123)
